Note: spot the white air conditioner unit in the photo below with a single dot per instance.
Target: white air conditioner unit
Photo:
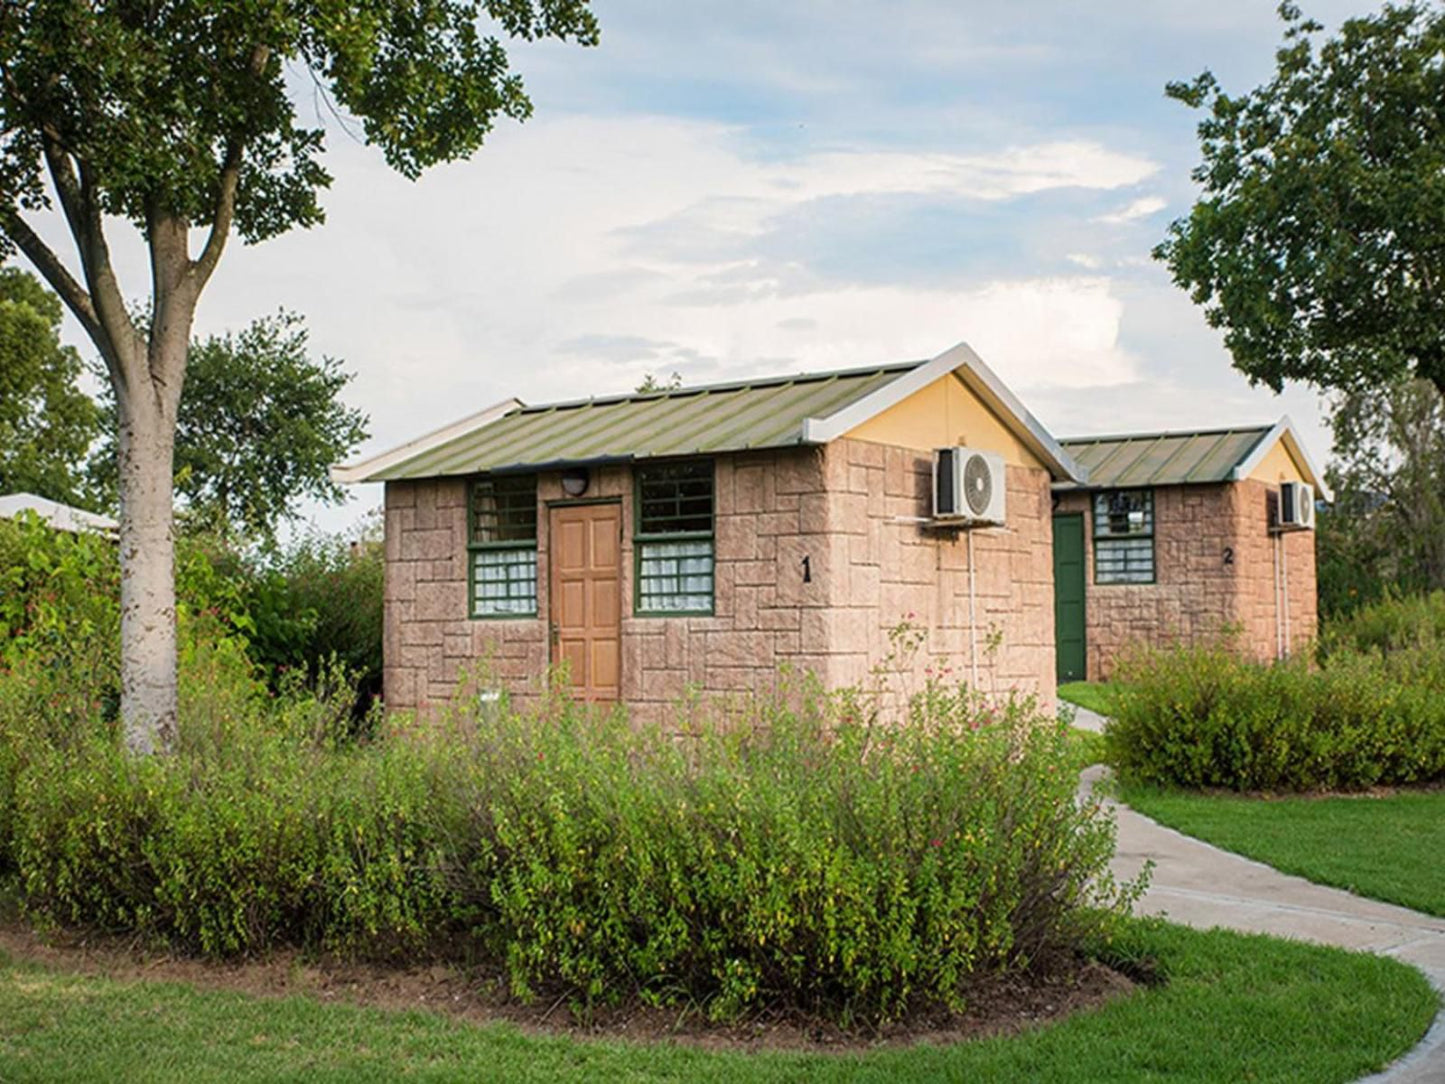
(1296, 506)
(968, 487)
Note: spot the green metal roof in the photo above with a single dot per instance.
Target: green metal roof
(733, 417)
(1164, 459)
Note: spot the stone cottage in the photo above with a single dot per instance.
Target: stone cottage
(701, 538)
(1178, 536)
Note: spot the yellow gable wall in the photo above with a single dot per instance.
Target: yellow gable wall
(941, 415)
(1279, 466)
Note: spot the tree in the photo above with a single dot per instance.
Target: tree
(1318, 244)
(259, 426)
(1387, 526)
(176, 116)
(650, 384)
(47, 423)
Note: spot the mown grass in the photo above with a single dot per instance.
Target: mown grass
(1094, 695)
(1234, 1007)
(1388, 848)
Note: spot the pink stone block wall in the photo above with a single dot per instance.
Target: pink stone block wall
(1276, 575)
(850, 509)
(898, 565)
(1197, 593)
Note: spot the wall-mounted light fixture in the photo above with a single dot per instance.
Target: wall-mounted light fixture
(575, 481)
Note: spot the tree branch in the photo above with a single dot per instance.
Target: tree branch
(224, 211)
(54, 271)
(109, 303)
(62, 175)
(223, 215)
(173, 302)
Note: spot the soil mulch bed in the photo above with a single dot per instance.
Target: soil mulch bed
(1003, 1006)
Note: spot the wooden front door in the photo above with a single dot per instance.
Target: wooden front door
(1070, 638)
(585, 554)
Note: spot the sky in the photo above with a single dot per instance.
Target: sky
(725, 190)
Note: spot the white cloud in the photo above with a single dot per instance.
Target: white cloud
(1011, 171)
(1140, 208)
(1084, 260)
(558, 262)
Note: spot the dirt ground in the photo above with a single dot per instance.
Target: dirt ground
(1000, 1007)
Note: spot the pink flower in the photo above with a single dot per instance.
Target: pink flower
(935, 842)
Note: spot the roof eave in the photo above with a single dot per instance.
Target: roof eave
(379, 467)
(981, 380)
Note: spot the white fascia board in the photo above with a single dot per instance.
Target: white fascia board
(981, 380)
(367, 469)
(1284, 430)
(62, 517)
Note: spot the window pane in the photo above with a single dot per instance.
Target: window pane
(675, 577)
(504, 509)
(1124, 560)
(675, 497)
(504, 581)
(1124, 513)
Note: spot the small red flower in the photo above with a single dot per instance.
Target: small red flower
(935, 842)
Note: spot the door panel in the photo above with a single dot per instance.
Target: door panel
(586, 596)
(1070, 640)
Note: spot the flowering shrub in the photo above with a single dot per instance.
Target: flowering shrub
(1205, 717)
(799, 850)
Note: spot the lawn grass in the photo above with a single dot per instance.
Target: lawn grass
(1097, 696)
(1235, 1007)
(1387, 848)
(1085, 747)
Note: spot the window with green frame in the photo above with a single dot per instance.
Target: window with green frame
(1124, 536)
(674, 538)
(502, 546)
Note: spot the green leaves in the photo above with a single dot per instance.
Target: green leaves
(1207, 718)
(779, 854)
(1386, 527)
(1318, 243)
(260, 425)
(47, 423)
(152, 103)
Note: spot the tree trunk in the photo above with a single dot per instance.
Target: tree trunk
(147, 577)
(146, 373)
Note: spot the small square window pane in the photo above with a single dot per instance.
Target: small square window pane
(504, 582)
(675, 577)
(1124, 560)
(1123, 513)
(675, 497)
(504, 508)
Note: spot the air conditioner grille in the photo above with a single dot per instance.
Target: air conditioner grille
(977, 484)
(943, 489)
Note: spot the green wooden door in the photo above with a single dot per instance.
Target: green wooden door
(1069, 637)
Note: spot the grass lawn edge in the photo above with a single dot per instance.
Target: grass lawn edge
(1312, 1013)
(1381, 847)
(1097, 696)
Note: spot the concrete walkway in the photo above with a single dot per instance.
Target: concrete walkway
(1199, 885)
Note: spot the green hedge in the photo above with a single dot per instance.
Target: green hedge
(1205, 717)
(796, 852)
